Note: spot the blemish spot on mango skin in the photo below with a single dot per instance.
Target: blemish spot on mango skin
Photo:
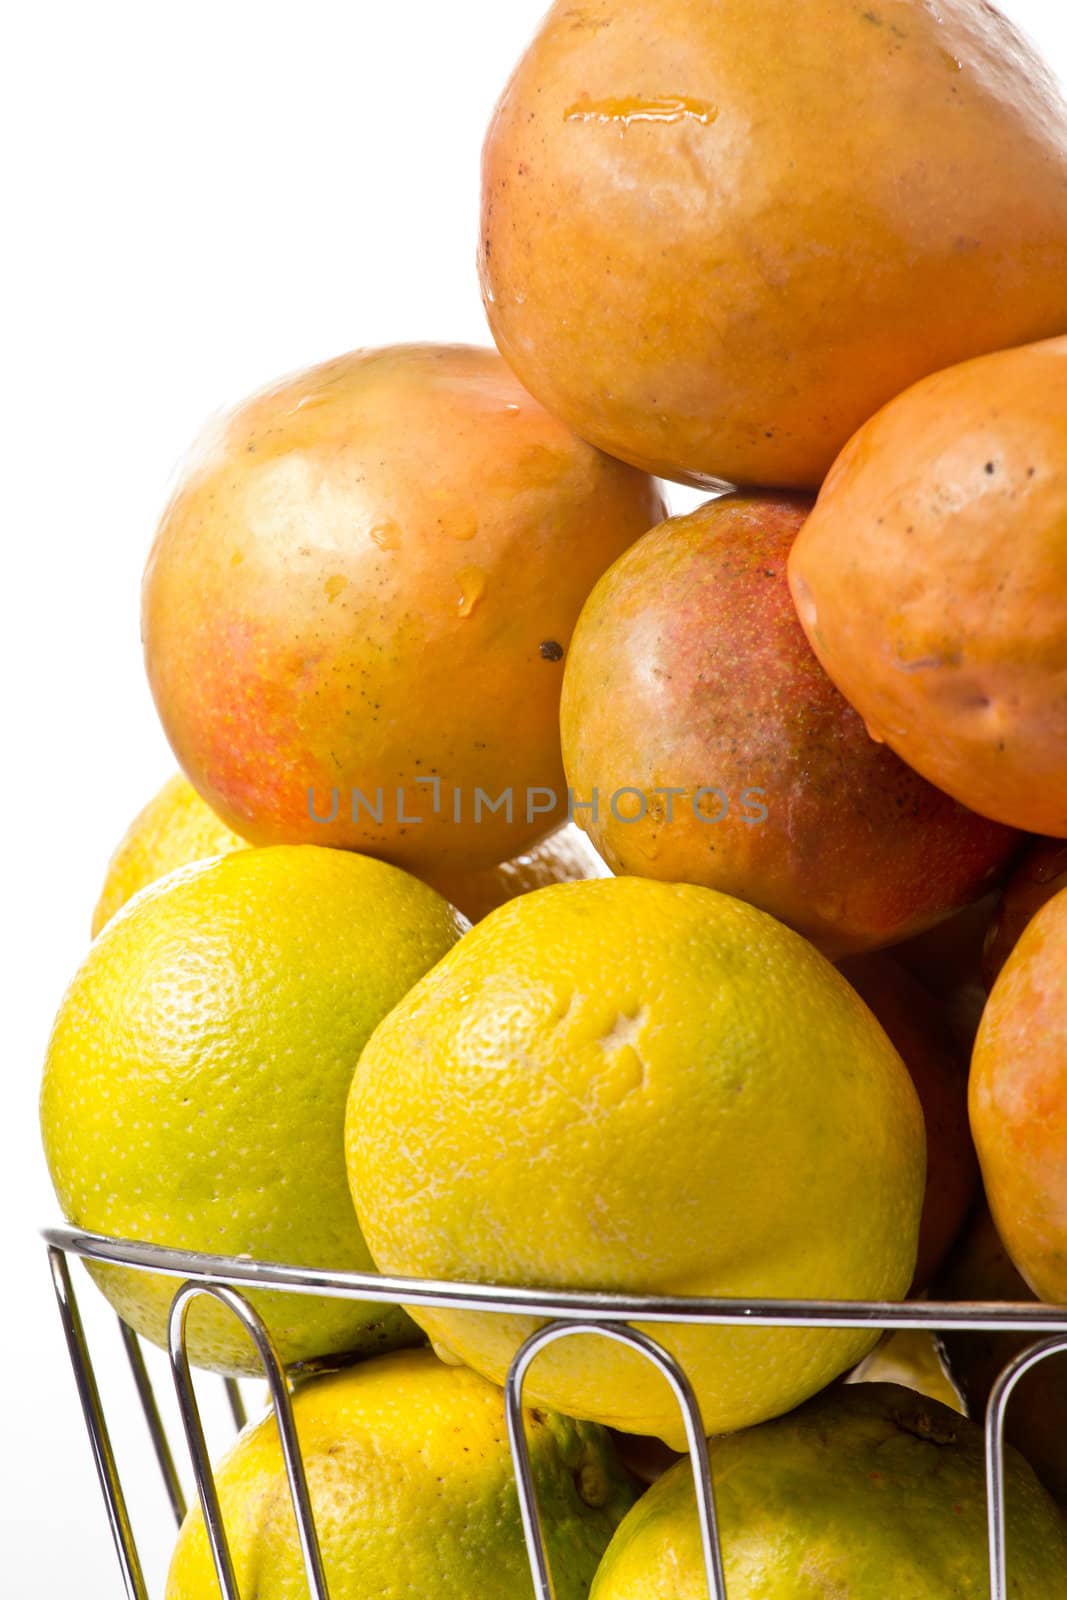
(635, 108)
(335, 586)
(581, 22)
(805, 603)
(386, 535)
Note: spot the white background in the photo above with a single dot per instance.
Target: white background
(198, 198)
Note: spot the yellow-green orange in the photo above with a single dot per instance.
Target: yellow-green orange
(413, 1493)
(174, 829)
(865, 1493)
(645, 1087)
(195, 1084)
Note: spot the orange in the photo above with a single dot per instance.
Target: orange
(195, 1083)
(174, 829)
(412, 1490)
(648, 1087)
(865, 1493)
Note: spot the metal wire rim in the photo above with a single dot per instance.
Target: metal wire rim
(564, 1311)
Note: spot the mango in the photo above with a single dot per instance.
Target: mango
(359, 601)
(931, 581)
(705, 744)
(717, 237)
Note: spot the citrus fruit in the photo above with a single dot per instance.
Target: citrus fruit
(174, 829)
(1018, 1101)
(689, 679)
(865, 1492)
(412, 1491)
(650, 1087)
(715, 241)
(951, 497)
(195, 1082)
(359, 601)
(177, 828)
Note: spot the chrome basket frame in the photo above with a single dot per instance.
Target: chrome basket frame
(564, 1313)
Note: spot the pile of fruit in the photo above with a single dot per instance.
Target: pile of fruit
(413, 614)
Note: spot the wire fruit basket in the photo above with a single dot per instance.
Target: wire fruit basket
(563, 1313)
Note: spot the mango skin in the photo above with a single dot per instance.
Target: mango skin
(688, 669)
(931, 581)
(715, 239)
(1018, 1102)
(1039, 874)
(921, 1034)
(368, 576)
(947, 960)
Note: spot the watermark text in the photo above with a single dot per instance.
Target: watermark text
(709, 804)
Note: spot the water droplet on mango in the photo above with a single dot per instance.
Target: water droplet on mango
(463, 526)
(471, 589)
